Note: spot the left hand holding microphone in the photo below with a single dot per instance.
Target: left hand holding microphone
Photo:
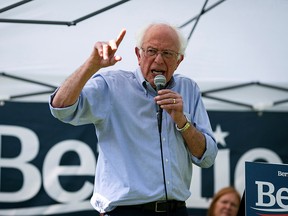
(172, 103)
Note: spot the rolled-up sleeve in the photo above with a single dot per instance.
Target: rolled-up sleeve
(209, 156)
(199, 117)
(91, 106)
(64, 114)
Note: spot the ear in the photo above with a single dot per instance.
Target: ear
(137, 52)
(179, 61)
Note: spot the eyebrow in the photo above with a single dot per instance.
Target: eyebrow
(159, 49)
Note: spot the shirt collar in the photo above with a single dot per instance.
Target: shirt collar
(146, 85)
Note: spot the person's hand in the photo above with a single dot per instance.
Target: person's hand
(172, 103)
(103, 54)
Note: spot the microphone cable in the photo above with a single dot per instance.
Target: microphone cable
(160, 82)
(159, 114)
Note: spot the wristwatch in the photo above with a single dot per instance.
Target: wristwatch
(185, 127)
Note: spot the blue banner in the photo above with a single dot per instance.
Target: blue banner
(47, 167)
(266, 189)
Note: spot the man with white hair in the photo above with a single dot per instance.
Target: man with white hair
(149, 134)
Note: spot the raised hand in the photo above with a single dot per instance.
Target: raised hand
(103, 54)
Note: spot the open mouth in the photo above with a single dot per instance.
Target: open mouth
(157, 72)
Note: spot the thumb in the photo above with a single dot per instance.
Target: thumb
(116, 59)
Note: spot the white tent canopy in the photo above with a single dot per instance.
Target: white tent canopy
(233, 42)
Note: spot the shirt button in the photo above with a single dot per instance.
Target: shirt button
(164, 139)
(168, 182)
(166, 160)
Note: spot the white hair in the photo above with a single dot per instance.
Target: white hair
(182, 40)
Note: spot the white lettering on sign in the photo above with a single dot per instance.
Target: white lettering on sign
(70, 201)
(31, 175)
(52, 170)
(282, 174)
(268, 196)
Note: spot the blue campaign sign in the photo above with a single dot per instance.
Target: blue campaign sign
(266, 189)
(47, 167)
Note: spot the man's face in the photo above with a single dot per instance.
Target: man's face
(159, 53)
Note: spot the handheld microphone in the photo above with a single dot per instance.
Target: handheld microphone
(160, 82)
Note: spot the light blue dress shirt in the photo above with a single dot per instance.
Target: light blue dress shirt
(129, 168)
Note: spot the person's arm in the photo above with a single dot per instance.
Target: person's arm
(103, 55)
(194, 139)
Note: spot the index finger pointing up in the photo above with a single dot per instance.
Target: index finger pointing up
(120, 37)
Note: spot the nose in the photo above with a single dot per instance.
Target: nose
(159, 58)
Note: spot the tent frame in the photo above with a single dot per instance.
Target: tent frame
(51, 22)
(51, 87)
(205, 94)
(195, 19)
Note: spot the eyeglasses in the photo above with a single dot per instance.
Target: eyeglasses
(167, 54)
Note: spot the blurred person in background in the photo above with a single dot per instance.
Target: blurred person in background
(225, 202)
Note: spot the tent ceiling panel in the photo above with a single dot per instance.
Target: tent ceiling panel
(236, 41)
